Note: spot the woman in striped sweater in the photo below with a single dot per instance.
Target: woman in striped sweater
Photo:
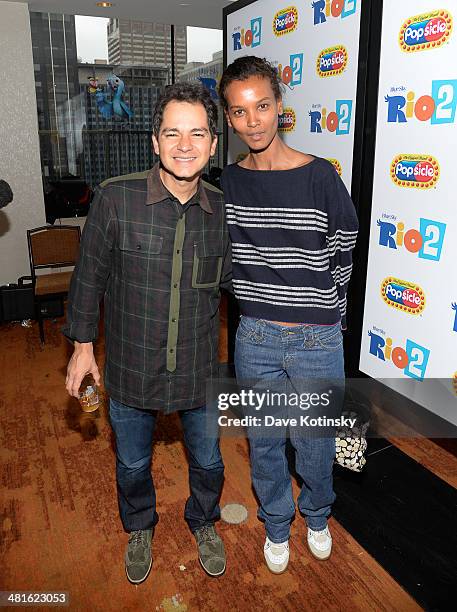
(293, 227)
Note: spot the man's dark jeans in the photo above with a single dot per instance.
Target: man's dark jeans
(134, 431)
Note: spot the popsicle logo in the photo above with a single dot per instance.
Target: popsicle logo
(337, 121)
(324, 10)
(285, 21)
(419, 171)
(454, 308)
(336, 165)
(426, 31)
(426, 242)
(403, 295)
(248, 37)
(287, 121)
(411, 359)
(438, 107)
(332, 61)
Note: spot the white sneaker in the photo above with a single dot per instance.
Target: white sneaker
(320, 543)
(276, 556)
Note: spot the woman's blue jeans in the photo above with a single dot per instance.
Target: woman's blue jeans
(271, 354)
(134, 431)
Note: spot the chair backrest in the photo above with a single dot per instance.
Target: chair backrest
(53, 246)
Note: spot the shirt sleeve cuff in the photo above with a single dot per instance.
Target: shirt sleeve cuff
(80, 332)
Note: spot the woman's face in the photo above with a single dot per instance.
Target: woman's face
(252, 111)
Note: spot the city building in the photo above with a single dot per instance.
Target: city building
(111, 146)
(75, 138)
(213, 69)
(145, 43)
(209, 74)
(56, 83)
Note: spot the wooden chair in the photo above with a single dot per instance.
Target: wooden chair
(52, 246)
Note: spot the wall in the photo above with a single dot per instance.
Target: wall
(19, 145)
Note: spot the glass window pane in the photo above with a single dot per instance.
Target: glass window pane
(82, 137)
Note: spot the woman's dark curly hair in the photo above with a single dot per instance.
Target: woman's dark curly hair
(245, 67)
(194, 93)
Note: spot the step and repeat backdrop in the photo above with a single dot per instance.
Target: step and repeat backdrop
(410, 319)
(409, 337)
(314, 46)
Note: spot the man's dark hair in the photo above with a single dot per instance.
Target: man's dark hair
(248, 66)
(194, 93)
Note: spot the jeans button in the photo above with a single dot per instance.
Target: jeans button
(309, 339)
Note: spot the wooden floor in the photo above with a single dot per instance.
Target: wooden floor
(60, 528)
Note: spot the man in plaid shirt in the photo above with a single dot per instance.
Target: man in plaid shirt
(155, 246)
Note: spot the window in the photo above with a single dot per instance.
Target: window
(83, 141)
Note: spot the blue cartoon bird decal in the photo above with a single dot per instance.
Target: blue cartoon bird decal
(115, 108)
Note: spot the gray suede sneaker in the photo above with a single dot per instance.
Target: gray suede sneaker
(211, 551)
(138, 557)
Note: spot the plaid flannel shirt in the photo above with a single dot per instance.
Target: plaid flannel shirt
(159, 266)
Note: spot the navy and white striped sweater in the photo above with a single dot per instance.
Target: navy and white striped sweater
(292, 233)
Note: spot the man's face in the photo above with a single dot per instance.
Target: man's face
(184, 143)
(253, 111)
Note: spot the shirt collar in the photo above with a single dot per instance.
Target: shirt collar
(157, 192)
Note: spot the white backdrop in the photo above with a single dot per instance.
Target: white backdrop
(315, 47)
(410, 324)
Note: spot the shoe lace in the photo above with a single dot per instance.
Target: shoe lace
(281, 547)
(321, 534)
(206, 533)
(136, 538)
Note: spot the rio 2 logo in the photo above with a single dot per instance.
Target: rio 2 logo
(292, 74)
(337, 121)
(326, 9)
(438, 108)
(454, 308)
(427, 31)
(427, 241)
(412, 359)
(248, 38)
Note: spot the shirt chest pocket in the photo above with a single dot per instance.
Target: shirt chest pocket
(140, 253)
(207, 266)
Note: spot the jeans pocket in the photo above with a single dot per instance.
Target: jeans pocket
(250, 330)
(330, 337)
